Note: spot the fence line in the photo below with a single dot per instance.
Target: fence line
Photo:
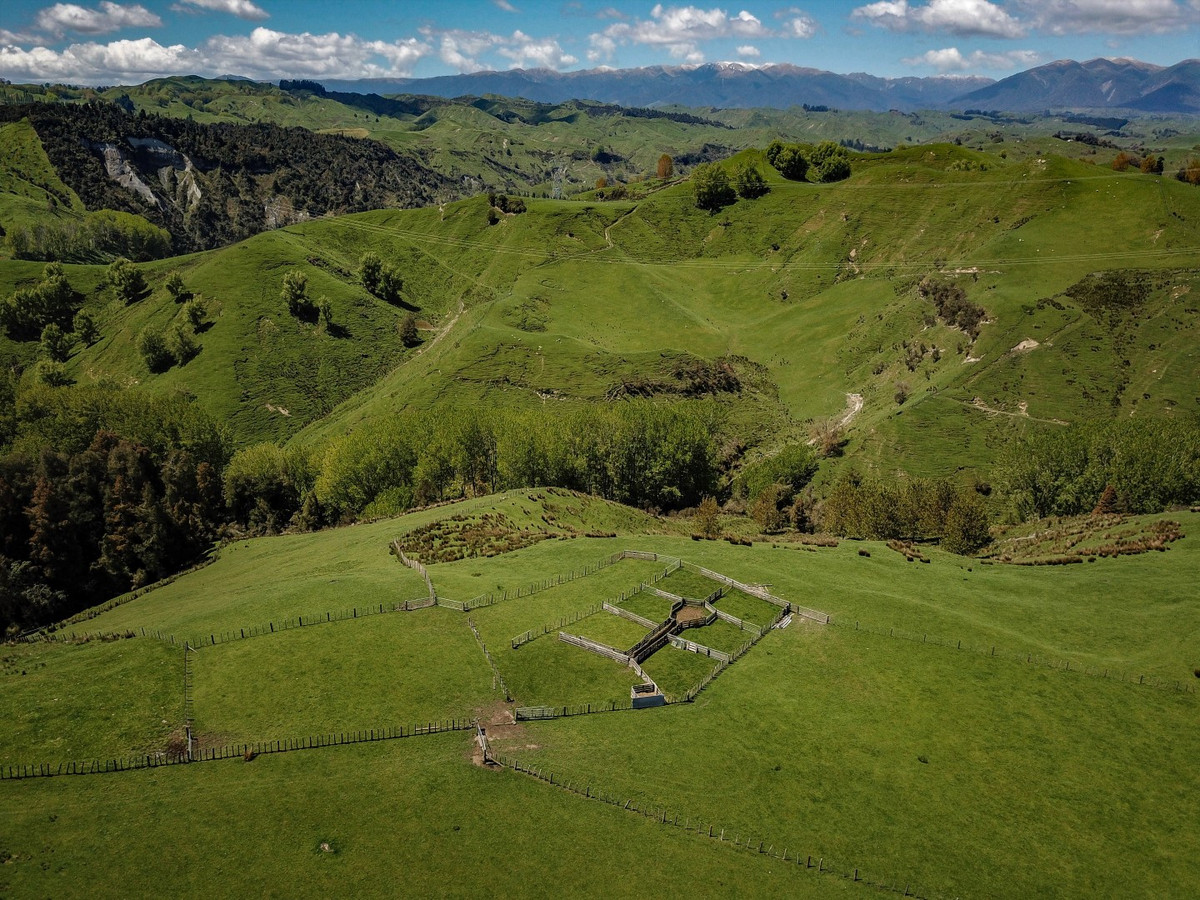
(229, 751)
(188, 685)
(490, 598)
(496, 676)
(991, 650)
(527, 713)
(661, 814)
(759, 592)
(415, 565)
(693, 647)
(740, 623)
(595, 647)
(626, 614)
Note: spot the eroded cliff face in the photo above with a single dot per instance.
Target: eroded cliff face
(148, 161)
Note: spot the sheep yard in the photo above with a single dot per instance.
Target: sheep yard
(964, 727)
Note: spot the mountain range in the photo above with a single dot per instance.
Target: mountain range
(1096, 84)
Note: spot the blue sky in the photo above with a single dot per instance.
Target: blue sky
(109, 42)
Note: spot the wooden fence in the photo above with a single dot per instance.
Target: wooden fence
(595, 647)
(415, 565)
(626, 614)
(693, 647)
(545, 584)
(740, 623)
(527, 713)
(229, 751)
(759, 592)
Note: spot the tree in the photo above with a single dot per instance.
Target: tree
(748, 181)
(1122, 161)
(295, 294)
(830, 161)
(176, 288)
(711, 187)
(966, 525)
(56, 344)
(773, 150)
(85, 328)
(1189, 172)
(196, 311)
(708, 519)
(325, 310)
(408, 331)
(370, 267)
(766, 509)
(182, 345)
(152, 344)
(127, 280)
(791, 162)
(390, 285)
(666, 167)
(601, 183)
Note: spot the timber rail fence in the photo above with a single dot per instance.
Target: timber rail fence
(246, 750)
(739, 839)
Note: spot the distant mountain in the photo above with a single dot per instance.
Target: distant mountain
(1095, 84)
(723, 85)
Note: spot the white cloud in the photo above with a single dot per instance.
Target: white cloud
(678, 29)
(960, 17)
(63, 17)
(950, 59)
(506, 6)
(1112, 16)
(243, 9)
(541, 52)
(797, 23)
(263, 54)
(749, 51)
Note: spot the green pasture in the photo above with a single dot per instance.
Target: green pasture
(96, 700)
(677, 671)
(392, 669)
(410, 817)
(948, 770)
(608, 628)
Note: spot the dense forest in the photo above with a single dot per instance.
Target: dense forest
(213, 184)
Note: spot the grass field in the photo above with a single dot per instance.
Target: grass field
(952, 772)
(88, 701)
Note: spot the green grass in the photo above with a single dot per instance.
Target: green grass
(1034, 779)
(650, 606)
(719, 635)
(65, 702)
(549, 672)
(688, 584)
(394, 669)
(610, 629)
(749, 608)
(424, 822)
(677, 671)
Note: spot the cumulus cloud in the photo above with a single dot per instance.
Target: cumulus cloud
(959, 17)
(678, 29)
(544, 53)
(263, 54)
(1112, 16)
(797, 23)
(749, 51)
(108, 16)
(950, 59)
(243, 9)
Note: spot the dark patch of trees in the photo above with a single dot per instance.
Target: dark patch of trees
(911, 509)
(26, 312)
(237, 168)
(707, 153)
(952, 306)
(1149, 464)
(97, 237)
(101, 491)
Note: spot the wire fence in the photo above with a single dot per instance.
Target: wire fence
(245, 751)
(497, 678)
(769, 849)
(492, 598)
(1029, 658)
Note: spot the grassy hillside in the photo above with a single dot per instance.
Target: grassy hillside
(810, 294)
(893, 745)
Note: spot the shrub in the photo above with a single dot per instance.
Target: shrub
(408, 331)
(176, 288)
(127, 281)
(56, 343)
(295, 294)
(749, 183)
(85, 328)
(182, 345)
(711, 187)
(196, 311)
(708, 519)
(153, 346)
(666, 167)
(370, 268)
